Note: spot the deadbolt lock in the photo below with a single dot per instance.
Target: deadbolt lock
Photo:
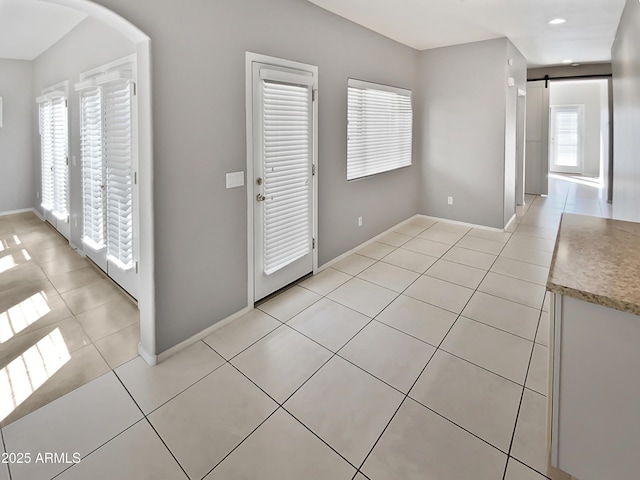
(259, 181)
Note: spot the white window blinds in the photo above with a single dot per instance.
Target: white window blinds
(287, 156)
(53, 146)
(379, 131)
(93, 194)
(107, 166)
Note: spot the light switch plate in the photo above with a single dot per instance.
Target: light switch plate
(235, 179)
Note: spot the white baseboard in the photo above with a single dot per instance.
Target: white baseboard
(197, 337)
(513, 219)
(146, 356)
(13, 212)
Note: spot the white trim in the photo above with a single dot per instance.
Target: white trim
(200, 335)
(511, 220)
(22, 210)
(251, 58)
(146, 356)
(353, 82)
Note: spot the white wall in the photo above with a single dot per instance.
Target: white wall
(89, 45)
(626, 97)
(16, 167)
(467, 131)
(589, 94)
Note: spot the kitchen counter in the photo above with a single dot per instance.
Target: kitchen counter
(597, 260)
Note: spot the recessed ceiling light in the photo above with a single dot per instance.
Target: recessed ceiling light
(557, 21)
(575, 64)
(568, 60)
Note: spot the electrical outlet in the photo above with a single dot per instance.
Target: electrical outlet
(359, 221)
(450, 200)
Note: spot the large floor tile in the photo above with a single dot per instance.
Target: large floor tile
(521, 270)
(206, 422)
(376, 250)
(411, 229)
(439, 234)
(548, 234)
(388, 354)
(81, 421)
(389, 276)
(136, 453)
(282, 449)
(452, 227)
(233, 338)
(538, 375)
(326, 281)
(457, 273)
(153, 386)
(518, 291)
(440, 293)
(76, 279)
(418, 319)
(53, 371)
(329, 323)
(481, 245)
(529, 441)
(528, 241)
(346, 407)
(518, 471)
(477, 400)
(419, 444)
(362, 296)
(497, 351)
(353, 264)
(542, 336)
(395, 239)
(90, 296)
(493, 235)
(109, 318)
(289, 303)
(503, 314)
(63, 264)
(281, 362)
(414, 261)
(120, 347)
(528, 255)
(426, 247)
(470, 257)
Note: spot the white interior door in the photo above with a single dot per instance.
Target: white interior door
(566, 134)
(283, 187)
(537, 139)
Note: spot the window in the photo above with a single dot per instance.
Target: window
(53, 150)
(107, 166)
(566, 131)
(379, 128)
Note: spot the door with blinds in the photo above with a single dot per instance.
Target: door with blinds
(283, 186)
(53, 126)
(566, 138)
(109, 178)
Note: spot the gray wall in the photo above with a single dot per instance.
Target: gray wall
(16, 167)
(626, 97)
(587, 93)
(462, 105)
(89, 45)
(198, 61)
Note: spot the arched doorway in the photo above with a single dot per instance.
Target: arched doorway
(146, 294)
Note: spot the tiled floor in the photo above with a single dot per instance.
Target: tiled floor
(422, 356)
(62, 323)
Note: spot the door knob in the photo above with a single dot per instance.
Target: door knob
(260, 197)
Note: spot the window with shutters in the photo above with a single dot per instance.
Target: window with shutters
(379, 128)
(53, 149)
(107, 164)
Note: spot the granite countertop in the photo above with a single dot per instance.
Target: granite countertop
(597, 260)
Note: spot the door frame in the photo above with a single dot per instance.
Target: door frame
(250, 59)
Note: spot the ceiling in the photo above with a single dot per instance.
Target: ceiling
(586, 37)
(29, 27)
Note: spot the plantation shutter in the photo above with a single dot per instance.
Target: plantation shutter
(117, 151)
(60, 183)
(566, 135)
(287, 156)
(53, 151)
(46, 153)
(379, 131)
(93, 199)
